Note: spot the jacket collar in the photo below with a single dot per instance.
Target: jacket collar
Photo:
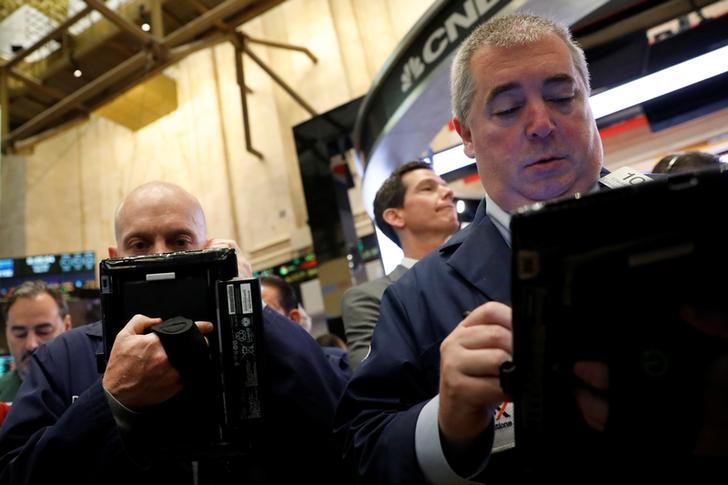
(481, 256)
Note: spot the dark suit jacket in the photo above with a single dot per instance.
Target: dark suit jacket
(60, 428)
(377, 415)
(360, 312)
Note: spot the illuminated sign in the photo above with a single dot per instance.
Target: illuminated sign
(294, 271)
(6, 268)
(69, 270)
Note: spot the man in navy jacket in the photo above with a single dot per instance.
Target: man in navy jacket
(427, 404)
(70, 423)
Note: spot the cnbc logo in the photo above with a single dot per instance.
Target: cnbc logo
(449, 33)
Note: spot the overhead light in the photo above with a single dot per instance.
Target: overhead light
(660, 83)
(77, 72)
(449, 160)
(460, 206)
(146, 21)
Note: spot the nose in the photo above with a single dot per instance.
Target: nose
(447, 192)
(31, 341)
(540, 122)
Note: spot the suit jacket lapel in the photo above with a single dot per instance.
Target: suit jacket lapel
(484, 259)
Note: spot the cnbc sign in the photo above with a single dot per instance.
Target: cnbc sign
(436, 35)
(442, 38)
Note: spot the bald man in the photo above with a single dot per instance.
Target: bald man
(71, 423)
(159, 217)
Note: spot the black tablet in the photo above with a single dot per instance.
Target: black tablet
(218, 413)
(634, 279)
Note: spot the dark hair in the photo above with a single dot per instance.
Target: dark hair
(31, 289)
(288, 300)
(685, 162)
(331, 340)
(391, 196)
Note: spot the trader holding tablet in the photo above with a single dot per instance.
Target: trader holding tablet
(70, 423)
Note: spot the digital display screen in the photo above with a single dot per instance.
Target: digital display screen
(72, 270)
(295, 271)
(6, 364)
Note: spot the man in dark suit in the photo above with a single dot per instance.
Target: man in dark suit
(428, 404)
(70, 423)
(280, 296)
(414, 208)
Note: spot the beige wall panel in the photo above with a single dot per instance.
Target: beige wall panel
(382, 24)
(307, 23)
(53, 215)
(74, 180)
(12, 206)
(105, 150)
(377, 33)
(351, 48)
(404, 14)
(260, 187)
(277, 113)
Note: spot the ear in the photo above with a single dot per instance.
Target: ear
(295, 315)
(113, 252)
(464, 131)
(67, 322)
(393, 217)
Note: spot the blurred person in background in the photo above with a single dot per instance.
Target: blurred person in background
(414, 208)
(34, 314)
(686, 162)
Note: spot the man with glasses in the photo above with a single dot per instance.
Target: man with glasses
(34, 314)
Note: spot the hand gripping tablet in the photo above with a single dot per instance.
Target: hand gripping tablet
(186, 348)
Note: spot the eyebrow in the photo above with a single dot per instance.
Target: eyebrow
(426, 181)
(502, 89)
(559, 79)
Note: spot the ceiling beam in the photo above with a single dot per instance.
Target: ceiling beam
(252, 11)
(121, 22)
(51, 92)
(282, 45)
(157, 20)
(204, 22)
(152, 59)
(202, 8)
(138, 62)
(135, 63)
(49, 36)
(279, 80)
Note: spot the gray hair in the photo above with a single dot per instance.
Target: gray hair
(32, 289)
(505, 31)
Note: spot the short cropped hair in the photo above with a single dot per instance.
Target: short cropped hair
(391, 196)
(288, 299)
(31, 289)
(686, 162)
(505, 31)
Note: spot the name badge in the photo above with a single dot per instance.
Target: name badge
(624, 176)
